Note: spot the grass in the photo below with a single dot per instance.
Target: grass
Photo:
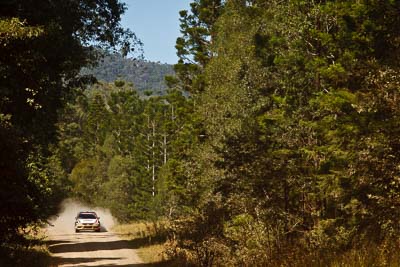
(148, 238)
(370, 255)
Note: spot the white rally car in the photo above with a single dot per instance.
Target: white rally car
(87, 220)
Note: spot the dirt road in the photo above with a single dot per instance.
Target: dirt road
(91, 249)
(88, 248)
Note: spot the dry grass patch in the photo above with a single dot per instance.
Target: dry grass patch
(147, 237)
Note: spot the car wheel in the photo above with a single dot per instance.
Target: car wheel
(76, 231)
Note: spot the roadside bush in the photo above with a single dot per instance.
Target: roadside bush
(198, 239)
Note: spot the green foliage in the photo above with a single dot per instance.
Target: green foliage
(124, 152)
(198, 238)
(286, 153)
(43, 46)
(194, 47)
(13, 29)
(299, 109)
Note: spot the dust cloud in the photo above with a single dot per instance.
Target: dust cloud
(69, 208)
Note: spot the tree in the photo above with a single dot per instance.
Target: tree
(193, 48)
(43, 47)
(293, 160)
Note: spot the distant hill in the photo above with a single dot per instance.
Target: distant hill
(143, 74)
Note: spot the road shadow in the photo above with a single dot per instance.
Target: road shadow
(55, 242)
(62, 261)
(155, 264)
(62, 247)
(21, 256)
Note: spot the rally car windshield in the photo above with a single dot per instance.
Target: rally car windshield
(87, 216)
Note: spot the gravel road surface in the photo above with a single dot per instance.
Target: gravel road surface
(91, 249)
(104, 248)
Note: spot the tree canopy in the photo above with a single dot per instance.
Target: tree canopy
(300, 117)
(43, 44)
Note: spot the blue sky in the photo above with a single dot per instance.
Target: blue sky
(156, 23)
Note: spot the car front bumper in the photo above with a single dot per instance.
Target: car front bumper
(87, 226)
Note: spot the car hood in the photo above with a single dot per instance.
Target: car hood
(87, 220)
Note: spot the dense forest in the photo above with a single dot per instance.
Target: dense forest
(299, 106)
(276, 143)
(145, 75)
(120, 150)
